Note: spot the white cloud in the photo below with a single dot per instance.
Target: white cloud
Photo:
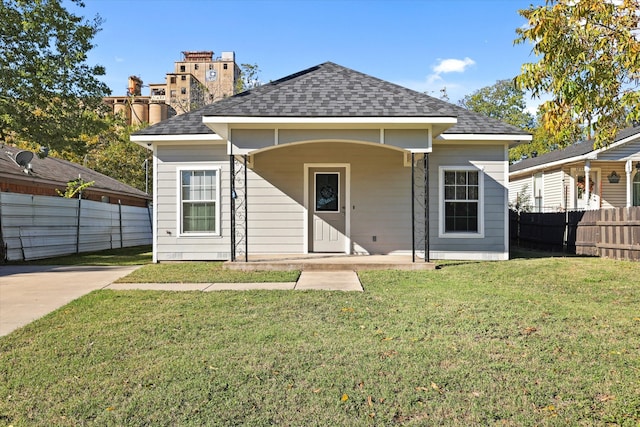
(433, 78)
(119, 59)
(434, 83)
(453, 65)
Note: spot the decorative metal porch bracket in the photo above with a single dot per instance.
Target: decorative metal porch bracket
(239, 224)
(420, 205)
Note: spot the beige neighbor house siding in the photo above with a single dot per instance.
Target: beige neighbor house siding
(380, 197)
(491, 161)
(553, 199)
(522, 188)
(613, 195)
(624, 151)
(170, 245)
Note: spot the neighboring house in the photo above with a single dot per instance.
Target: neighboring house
(26, 173)
(557, 181)
(330, 160)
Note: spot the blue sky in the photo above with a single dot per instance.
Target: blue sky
(425, 45)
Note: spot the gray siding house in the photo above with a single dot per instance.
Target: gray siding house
(330, 160)
(557, 181)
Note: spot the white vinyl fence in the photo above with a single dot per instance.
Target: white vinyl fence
(34, 227)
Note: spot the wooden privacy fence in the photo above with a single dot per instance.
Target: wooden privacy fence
(612, 233)
(35, 227)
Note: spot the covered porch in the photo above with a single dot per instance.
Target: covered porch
(607, 183)
(379, 218)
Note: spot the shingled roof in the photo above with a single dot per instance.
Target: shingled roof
(578, 149)
(331, 90)
(59, 172)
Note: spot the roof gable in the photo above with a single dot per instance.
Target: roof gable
(331, 90)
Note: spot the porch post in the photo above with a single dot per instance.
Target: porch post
(628, 168)
(413, 209)
(587, 183)
(246, 219)
(232, 205)
(426, 208)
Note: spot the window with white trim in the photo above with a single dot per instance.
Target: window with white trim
(461, 202)
(199, 201)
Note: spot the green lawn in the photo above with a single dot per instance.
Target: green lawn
(528, 342)
(136, 255)
(203, 272)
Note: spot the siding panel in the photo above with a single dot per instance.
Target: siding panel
(485, 158)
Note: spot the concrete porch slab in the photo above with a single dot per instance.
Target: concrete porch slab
(328, 262)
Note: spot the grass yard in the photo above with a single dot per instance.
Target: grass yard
(528, 342)
(203, 272)
(136, 255)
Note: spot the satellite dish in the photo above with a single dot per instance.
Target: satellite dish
(23, 158)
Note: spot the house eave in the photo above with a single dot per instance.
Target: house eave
(515, 138)
(548, 165)
(146, 141)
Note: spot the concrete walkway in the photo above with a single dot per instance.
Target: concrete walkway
(30, 292)
(308, 280)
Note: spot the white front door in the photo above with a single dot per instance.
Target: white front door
(327, 209)
(581, 201)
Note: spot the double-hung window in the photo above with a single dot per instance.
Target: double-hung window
(461, 202)
(199, 201)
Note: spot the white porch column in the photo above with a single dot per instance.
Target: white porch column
(587, 183)
(628, 168)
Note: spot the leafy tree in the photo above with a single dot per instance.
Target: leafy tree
(75, 187)
(249, 77)
(502, 101)
(48, 93)
(542, 142)
(113, 154)
(589, 61)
